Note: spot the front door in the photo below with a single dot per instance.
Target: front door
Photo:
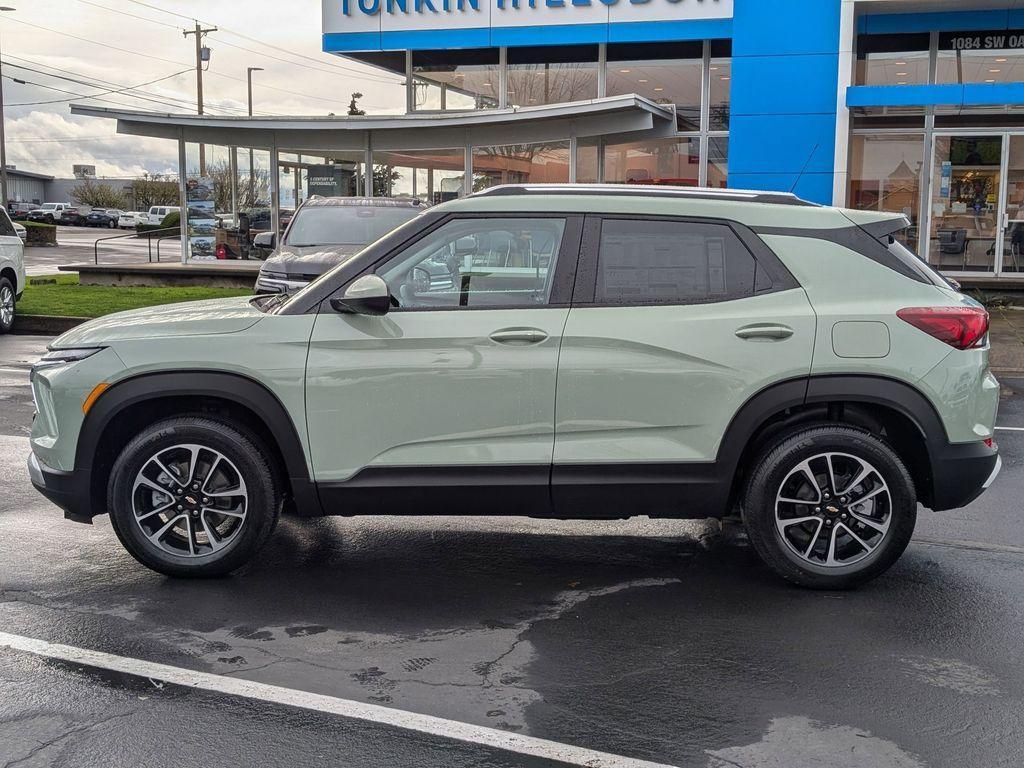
(965, 213)
(454, 389)
(679, 326)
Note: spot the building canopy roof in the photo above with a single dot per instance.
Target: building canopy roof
(619, 116)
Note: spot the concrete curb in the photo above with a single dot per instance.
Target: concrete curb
(45, 325)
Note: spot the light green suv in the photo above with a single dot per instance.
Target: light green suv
(551, 351)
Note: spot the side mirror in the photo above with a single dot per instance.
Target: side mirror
(266, 240)
(369, 295)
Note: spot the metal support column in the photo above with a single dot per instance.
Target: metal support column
(182, 196)
(275, 193)
(233, 163)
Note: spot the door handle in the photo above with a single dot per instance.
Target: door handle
(771, 332)
(519, 336)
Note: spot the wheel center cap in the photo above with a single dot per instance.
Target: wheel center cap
(832, 509)
(191, 501)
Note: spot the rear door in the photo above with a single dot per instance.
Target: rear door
(453, 391)
(675, 324)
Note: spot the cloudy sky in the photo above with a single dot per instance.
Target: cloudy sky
(64, 49)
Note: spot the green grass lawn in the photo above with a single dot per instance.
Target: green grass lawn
(67, 298)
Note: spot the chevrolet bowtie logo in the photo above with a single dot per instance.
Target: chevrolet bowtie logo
(833, 510)
(193, 502)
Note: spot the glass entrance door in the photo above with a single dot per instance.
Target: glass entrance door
(1013, 208)
(965, 213)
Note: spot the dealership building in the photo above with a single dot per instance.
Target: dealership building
(914, 106)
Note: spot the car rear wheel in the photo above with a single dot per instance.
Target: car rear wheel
(7, 301)
(829, 507)
(193, 496)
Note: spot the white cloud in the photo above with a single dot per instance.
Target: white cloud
(47, 139)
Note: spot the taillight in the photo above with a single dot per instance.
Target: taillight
(960, 327)
(222, 251)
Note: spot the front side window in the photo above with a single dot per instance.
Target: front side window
(671, 262)
(500, 262)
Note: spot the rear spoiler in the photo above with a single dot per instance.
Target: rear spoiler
(884, 228)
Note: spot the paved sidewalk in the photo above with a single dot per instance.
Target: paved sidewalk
(1007, 337)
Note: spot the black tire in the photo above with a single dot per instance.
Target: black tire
(7, 293)
(244, 450)
(49, 219)
(774, 467)
(112, 224)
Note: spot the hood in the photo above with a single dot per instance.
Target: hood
(309, 262)
(192, 318)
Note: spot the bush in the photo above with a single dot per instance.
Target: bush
(38, 233)
(172, 219)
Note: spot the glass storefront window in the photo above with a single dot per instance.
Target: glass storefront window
(551, 75)
(885, 175)
(893, 59)
(588, 152)
(432, 175)
(456, 80)
(672, 161)
(718, 162)
(546, 163)
(980, 57)
(964, 202)
(663, 73)
(720, 84)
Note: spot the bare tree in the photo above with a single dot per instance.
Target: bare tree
(99, 195)
(155, 189)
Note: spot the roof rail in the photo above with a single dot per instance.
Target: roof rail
(639, 190)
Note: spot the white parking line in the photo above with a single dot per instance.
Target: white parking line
(357, 710)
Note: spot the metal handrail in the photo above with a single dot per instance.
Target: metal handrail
(161, 239)
(149, 241)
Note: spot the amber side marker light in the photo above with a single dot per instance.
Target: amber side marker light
(98, 390)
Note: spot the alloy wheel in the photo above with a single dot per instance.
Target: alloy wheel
(833, 510)
(6, 306)
(190, 500)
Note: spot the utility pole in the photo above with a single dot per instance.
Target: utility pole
(3, 135)
(199, 32)
(252, 164)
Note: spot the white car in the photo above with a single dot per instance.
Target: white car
(158, 212)
(12, 271)
(20, 229)
(129, 219)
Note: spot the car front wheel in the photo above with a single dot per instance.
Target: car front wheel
(829, 507)
(193, 496)
(7, 300)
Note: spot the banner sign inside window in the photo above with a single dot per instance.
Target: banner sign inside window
(996, 40)
(441, 16)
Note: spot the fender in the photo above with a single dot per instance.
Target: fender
(233, 387)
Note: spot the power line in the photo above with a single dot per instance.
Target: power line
(156, 98)
(96, 42)
(67, 140)
(90, 96)
(251, 39)
(126, 13)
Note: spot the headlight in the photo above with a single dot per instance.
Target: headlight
(274, 275)
(58, 357)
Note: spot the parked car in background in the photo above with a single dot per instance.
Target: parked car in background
(324, 232)
(50, 213)
(103, 217)
(22, 232)
(131, 219)
(12, 270)
(20, 211)
(75, 216)
(604, 351)
(157, 213)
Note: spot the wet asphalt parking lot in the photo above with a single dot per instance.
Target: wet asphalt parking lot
(653, 640)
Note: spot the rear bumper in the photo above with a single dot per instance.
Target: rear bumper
(961, 472)
(68, 490)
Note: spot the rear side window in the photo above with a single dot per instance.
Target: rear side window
(671, 262)
(6, 227)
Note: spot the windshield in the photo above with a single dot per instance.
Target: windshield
(345, 224)
(49, 206)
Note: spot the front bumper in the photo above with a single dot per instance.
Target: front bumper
(68, 490)
(961, 472)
